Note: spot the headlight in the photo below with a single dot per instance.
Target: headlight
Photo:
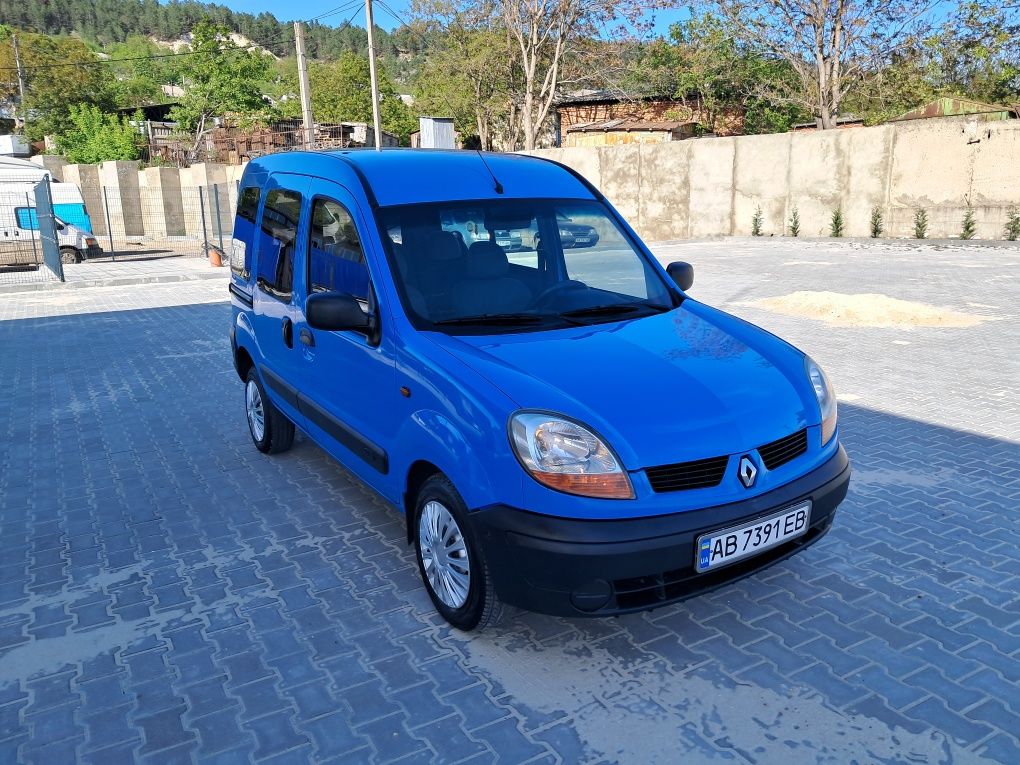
(568, 457)
(826, 398)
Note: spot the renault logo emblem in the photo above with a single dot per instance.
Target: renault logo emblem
(747, 472)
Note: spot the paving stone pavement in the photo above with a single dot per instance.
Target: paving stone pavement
(168, 594)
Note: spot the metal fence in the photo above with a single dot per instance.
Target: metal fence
(31, 237)
(165, 221)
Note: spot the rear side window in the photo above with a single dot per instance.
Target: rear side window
(336, 261)
(244, 231)
(27, 218)
(277, 240)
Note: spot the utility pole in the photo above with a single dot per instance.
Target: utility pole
(306, 93)
(376, 123)
(21, 82)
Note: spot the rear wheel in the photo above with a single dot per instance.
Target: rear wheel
(450, 560)
(69, 255)
(271, 431)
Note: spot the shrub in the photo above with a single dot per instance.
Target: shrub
(1012, 231)
(756, 222)
(837, 223)
(969, 228)
(876, 223)
(920, 223)
(794, 222)
(92, 136)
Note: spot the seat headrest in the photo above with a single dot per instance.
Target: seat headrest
(443, 245)
(486, 260)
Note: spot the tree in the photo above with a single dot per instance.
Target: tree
(466, 74)
(139, 81)
(341, 92)
(92, 136)
(51, 86)
(830, 44)
(220, 79)
(545, 34)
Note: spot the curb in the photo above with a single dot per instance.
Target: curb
(117, 281)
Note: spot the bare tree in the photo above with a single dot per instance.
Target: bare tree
(546, 32)
(830, 44)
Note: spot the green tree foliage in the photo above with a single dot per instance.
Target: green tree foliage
(877, 224)
(92, 136)
(756, 221)
(968, 229)
(1012, 230)
(920, 223)
(837, 225)
(223, 79)
(139, 82)
(703, 62)
(51, 87)
(341, 92)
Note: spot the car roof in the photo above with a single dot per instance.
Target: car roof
(410, 176)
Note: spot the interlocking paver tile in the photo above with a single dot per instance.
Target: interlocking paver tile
(169, 594)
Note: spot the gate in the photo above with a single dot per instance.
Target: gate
(28, 229)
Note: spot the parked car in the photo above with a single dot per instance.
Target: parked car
(19, 226)
(575, 443)
(577, 234)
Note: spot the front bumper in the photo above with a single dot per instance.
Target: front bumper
(569, 567)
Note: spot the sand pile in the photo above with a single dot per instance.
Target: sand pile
(866, 310)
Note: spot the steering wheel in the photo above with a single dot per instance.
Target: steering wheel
(554, 289)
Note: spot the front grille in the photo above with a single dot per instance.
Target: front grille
(782, 451)
(661, 588)
(699, 474)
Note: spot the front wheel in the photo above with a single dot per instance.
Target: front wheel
(69, 255)
(450, 561)
(271, 431)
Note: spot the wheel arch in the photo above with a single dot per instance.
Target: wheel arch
(417, 474)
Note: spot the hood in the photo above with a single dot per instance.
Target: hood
(684, 385)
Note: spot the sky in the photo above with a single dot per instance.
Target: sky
(284, 10)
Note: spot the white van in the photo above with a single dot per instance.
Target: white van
(19, 225)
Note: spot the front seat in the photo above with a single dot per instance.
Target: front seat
(488, 287)
(439, 262)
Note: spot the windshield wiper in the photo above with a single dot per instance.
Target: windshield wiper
(494, 318)
(613, 309)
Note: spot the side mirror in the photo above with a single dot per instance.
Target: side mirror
(681, 273)
(335, 311)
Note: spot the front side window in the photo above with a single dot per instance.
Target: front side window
(27, 218)
(277, 240)
(336, 261)
(469, 267)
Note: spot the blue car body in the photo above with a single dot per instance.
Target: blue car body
(671, 389)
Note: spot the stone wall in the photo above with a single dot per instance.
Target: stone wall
(712, 186)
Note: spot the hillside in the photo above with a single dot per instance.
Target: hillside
(101, 22)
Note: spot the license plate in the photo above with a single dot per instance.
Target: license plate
(582, 239)
(725, 546)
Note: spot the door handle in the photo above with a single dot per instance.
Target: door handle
(288, 332)
(307, 338)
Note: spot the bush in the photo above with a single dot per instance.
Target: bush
(969, 228)
(94, 137)
(876, 223)
(1012, 232)
(837, 224)
(756, 222)
(920, 223)
(794, 222)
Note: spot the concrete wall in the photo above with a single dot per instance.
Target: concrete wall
(713, 186)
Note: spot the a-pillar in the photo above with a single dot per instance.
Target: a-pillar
(120, 185)
(162, 205)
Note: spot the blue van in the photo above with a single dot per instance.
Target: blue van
(564, 429)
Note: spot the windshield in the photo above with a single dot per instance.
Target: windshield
(518, 264)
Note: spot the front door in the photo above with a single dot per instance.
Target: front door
(349, 396)
(275, 303)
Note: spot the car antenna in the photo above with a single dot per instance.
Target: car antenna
(497, 185)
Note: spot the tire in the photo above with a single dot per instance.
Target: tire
(69, 255)
(271, 431)
(467, 605)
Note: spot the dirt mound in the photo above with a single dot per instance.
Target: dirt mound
(866, 310)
